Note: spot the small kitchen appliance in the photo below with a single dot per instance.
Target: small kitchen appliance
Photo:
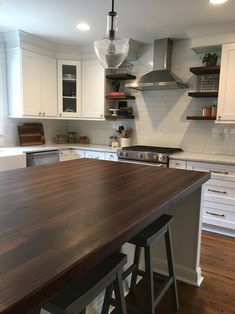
(152, 155)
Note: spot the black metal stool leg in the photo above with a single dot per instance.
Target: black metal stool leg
(107, 299)
(83, 312)
(149, 279)
(119, 294)
(134, 275)
(170, 260)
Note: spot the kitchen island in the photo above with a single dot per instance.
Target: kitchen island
(58, 221)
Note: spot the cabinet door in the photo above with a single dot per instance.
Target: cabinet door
(78, 153)
(65, 155)
(92, 89)
(177, 164)
(31, 80)
(94, 155)
(111, 156)
(49, 86)
(69, 88)
(226, 101)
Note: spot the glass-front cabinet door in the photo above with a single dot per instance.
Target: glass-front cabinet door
(69, 88)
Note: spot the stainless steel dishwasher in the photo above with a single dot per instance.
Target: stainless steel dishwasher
(42, 158)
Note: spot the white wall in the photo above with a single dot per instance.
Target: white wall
(161, 115)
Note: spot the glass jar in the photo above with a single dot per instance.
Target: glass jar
(72, 137)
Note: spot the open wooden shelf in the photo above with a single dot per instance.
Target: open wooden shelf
(203, 94)
(200, 118)
(121, 76)
(205, 70)
(119, 117)
(124, 97)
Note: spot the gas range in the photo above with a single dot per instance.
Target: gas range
(152, 154)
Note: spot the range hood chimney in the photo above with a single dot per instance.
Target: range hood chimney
(161, 77)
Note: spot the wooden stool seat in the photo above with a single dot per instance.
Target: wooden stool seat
(145, 239)
(107, 275)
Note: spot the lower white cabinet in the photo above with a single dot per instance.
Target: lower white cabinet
(12, 162)
(111, 156)
(95, 155)
(78, 153)
(65, 155)
(218, 195)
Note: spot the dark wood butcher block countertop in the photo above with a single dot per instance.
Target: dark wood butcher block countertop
(57, 221)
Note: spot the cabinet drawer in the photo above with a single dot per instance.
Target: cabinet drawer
(178, 164)
(94, 155)
(219, 215)
(220, 194)
(218, 171)
(78, 153)
(111, 156)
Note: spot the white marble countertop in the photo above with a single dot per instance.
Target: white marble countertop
(19, 150)
(214, 158)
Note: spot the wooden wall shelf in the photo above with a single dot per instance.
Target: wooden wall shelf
(124, 97)
(121, 76)
(203, 94)
(205, 70)
(110, 117)
(200, 118)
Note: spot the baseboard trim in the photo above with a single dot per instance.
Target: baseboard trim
(183, 274)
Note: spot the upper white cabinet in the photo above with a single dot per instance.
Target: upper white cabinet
(93, 79)
(69, 88)
(32, 84)
(226, 101)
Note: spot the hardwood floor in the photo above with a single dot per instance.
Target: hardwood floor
(217, 292)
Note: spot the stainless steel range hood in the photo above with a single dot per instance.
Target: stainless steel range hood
(161, 77)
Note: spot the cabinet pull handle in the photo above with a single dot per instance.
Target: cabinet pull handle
(219, 172)
(216, 191)
(214, 214)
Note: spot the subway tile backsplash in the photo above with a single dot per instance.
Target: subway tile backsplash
(161, 115)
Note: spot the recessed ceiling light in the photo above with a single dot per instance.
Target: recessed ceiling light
(83, 27)
(218, 1)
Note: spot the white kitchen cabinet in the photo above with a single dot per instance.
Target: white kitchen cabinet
(218, 197)
(95, 154)
(32, 84)
(78, 153)
(69, 88)
(65, 154)
(177, 164)
(12, 162)
(226, 100)
(93, 78)
(111, 156)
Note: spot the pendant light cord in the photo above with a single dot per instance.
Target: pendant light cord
(112, 14)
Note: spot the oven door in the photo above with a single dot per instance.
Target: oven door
(143, 163)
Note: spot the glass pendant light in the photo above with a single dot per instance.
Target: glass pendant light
(110, 50)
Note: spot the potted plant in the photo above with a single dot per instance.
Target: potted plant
(210, 59)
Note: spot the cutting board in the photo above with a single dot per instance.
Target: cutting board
(31, 134)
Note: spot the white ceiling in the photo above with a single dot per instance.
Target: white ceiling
(142, 20)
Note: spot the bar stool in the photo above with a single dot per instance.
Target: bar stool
(107, 275)
(145, 239)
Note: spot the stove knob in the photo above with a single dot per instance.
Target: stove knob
(155, 156)
(161, 157)
(140, 155)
